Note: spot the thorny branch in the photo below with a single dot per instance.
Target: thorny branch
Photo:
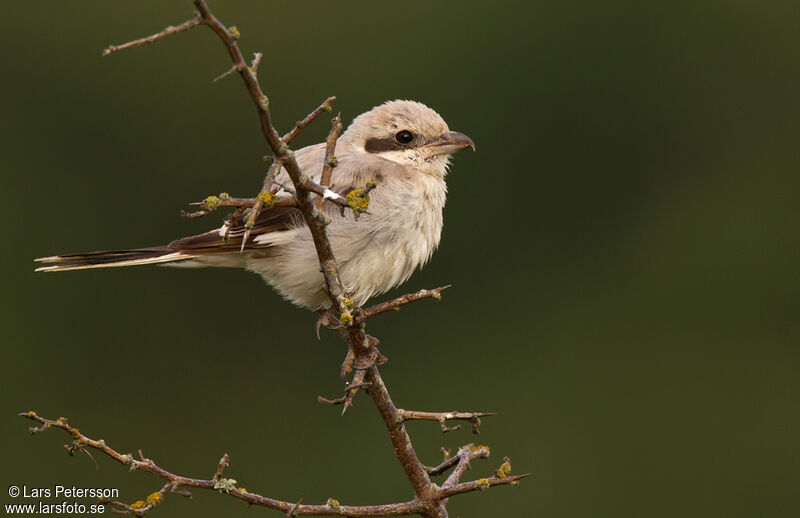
(394, 305)
(228, 486)
(474, 418)
(363, 356)
(329, 162)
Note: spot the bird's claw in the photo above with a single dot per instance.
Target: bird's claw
(327, 318)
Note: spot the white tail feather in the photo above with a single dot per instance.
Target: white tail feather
(166, 258)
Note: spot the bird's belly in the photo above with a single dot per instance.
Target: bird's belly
(373, 254)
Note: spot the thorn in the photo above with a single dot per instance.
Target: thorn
(291, 513)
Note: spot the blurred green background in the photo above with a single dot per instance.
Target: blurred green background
(623, 249)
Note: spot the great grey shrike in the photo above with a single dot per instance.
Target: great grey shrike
(404, 146)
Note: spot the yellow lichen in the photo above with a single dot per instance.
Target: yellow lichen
(358, 201)
(154, 498)
(504, 469)
(235, 32)
(332, 502)
(479, 447)
(348, 303)
(267, 198)
(138, 504)
(483, 484)
(210, 203)
(76, 433)
(346, 319)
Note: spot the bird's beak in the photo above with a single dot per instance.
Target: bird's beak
(449, 143)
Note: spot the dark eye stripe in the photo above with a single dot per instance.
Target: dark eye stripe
(377, 145)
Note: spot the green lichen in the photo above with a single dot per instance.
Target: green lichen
(225, 485)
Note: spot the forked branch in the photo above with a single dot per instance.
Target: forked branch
(228, 486)
(363, 357)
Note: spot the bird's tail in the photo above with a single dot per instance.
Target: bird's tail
(112, 259)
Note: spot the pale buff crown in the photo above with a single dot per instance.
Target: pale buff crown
(385, 120)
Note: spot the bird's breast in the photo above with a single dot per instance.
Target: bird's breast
(383, 248)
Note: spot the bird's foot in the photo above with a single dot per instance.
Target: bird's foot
(348, 364)
(327, 318)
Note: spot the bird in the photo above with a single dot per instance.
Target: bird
(403, 146)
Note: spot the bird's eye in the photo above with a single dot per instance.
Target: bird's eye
(404, 137)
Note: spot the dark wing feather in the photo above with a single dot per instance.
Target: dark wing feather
(276, 219)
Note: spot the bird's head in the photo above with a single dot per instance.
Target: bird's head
(408, 133)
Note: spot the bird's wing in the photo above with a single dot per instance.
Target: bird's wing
(226, 240)
(354, 171)
(269, 220)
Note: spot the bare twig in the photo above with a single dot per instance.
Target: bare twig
(266, 195)
(185, 26)
(442, 417)
(256, 61)
(465, 455)
(330, 159)
(326, 106)
(446, 464)
(217, 483)
(350, 387)
(480, 485)
(363, 314)
(225, 74)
